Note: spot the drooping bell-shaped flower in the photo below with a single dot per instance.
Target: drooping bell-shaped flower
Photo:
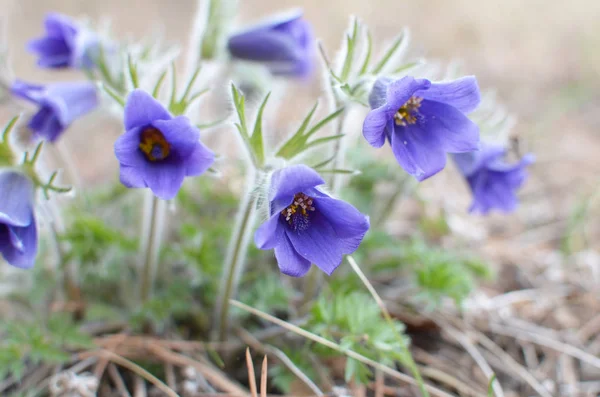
(158, 150)
(66, 44)
(423, 121)
(306, 225)
(493, 181)
(18, 231)
(59, 105)
(285, 43)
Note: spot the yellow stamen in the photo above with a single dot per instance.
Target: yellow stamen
(154, 144)
(407, 112)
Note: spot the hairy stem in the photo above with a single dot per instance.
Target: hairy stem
(236, 256)
(153, 217)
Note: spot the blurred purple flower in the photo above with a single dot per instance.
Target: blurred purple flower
(307, 225)
(158, 151)
(494, 182)
(285, 43)
(423, 121)
(65, 44)
(59, 105)
(18, 232)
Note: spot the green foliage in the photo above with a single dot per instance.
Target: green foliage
(355, 321)
(298, 142)
(38, 341)
(254, 142)
(266, 292)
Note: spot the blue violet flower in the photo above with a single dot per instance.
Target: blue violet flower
(285, 43)
(423, 121)
(18, 231)
(492, 180)
(158, 151)
(59, 104)
(306, 225)
(65, 44)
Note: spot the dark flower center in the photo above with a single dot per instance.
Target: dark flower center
(297, 213)
(407, 114)
(154, 145)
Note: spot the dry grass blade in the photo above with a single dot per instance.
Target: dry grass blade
(263, 377)
(510, 363)
(123, 362)
(211, 374)
(546, 341)
(248, 338)
(476, 355)
(251, 374)
(332, 345)
(115, 376)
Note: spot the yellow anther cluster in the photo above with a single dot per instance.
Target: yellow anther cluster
(406, 114)
(301, 204)
(154, 144)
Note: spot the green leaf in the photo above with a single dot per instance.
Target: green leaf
(365, 64)
(350, 47)
(133, 75)
(8, 128)
(321, 141)
(113, 94)
(340, 171)
(390, 52)
(158, 84)
(296, 141)
(256, 140)
(325, 121)
(407, 66)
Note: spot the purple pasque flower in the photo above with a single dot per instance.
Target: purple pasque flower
(306, 225)
(18, 231)
(423, 121)
(285, 43)
(59, 104)
(492, 180)
(65, 44)
(158, 150)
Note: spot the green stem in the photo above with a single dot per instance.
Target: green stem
(236, 257)
(151, 225)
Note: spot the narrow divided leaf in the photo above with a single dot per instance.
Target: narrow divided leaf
(365, 65)
(132, 72)
(256, 140)
(350, 47)
(8, 128)
(158, 84)
(390, 52)
(118, 98)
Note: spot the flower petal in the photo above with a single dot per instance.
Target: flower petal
(318, 243)
(374, 127)
(16, 195)
(462, 94)
(131, 177)
(53, 52)
(46, 125)
(141, 109)
(345, 219)
(199, 161)
(270, 234)
(18, 245)
(127, 149)
(164, 178)
(71, 100)
(400, 91)
(31, 92)
(418, 151)
(455, 132)
(289, 261)
(294, 179)
(180, 133)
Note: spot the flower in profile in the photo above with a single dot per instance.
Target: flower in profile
(158, 151)
(423, 121)
(285, 43)
(306, 225)
(18, 232)
(493, 181)
(65, 44)
(59, 104)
